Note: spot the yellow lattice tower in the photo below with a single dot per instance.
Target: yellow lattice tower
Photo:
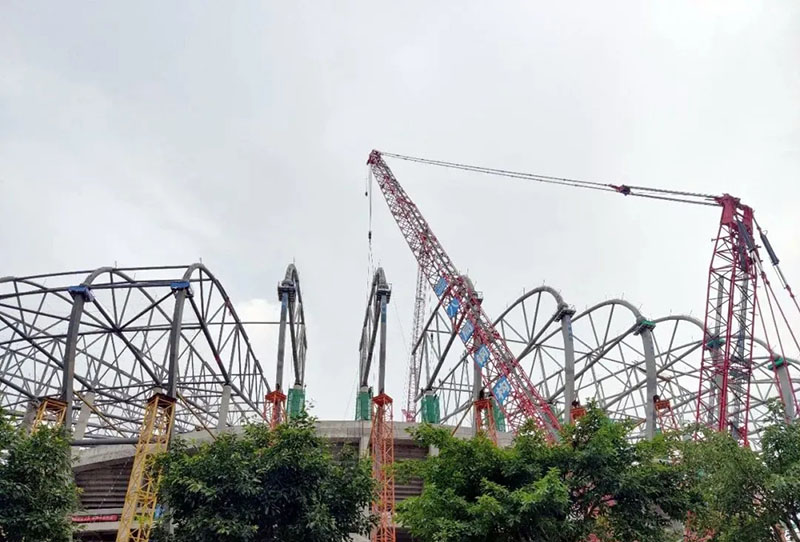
(51, 412)
(138, 513)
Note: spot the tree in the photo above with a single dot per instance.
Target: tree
(748, 496)
(265, 485)
(37, 487)
(593, 482)
(781, 455)
(732, 483)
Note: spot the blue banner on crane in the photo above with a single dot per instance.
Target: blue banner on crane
(452, 308)
(501, 390)
(482, 355)
(440, 287)
(466, 330)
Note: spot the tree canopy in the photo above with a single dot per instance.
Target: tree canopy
(37, 489)
(265, 485)
(597, 485)
(593, 483)
(747, 496)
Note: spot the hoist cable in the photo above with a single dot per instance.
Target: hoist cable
(628, 190)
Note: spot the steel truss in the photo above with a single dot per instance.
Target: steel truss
(106, 340)
(609, 352)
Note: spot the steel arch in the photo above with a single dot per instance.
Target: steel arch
(120, 333)
(596, 355)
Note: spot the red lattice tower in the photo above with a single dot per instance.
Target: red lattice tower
(723, 402)
(382, 449)
(275, 408)
(484, 419)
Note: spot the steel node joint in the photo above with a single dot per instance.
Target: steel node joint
(82, 291)
(643, 324)
(287, 287)
(564, 311)
(182, 285)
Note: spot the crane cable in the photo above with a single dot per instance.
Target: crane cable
(627, 190)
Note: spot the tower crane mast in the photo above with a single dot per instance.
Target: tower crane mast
(508, 383)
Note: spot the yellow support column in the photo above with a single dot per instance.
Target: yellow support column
(51, 412)
(139, 510)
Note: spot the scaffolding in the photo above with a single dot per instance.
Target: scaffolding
(139, 510)
(51, 413)
(275, 408)
(484, 418)
(666, 417)
(382, 448)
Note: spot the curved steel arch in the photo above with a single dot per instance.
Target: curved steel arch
(604, 373)
(569, 355)
(119, 338)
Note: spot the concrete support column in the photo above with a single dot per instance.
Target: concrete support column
(651, 374)
(83, 416)
(569, 362)
(224, 407)
(477, 386)
(30, 414)
(785, 385)
(284, 296)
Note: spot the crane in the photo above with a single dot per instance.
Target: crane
(511, 388)
(732, 307)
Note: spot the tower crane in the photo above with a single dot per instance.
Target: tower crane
(732, 308)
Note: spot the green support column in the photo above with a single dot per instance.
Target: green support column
(499, 417)
(296, 402)
(364, 405)
(430, 408)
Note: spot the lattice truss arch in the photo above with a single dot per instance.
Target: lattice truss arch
(617, 356)
(116, 327)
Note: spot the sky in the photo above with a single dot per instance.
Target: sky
(155, 133)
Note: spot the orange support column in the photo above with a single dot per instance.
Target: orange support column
(275, 408)
(382, 449)
(484, 419)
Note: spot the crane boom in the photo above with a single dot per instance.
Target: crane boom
(502, 375)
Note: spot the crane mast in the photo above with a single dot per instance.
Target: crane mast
(512, 389)
(415, 360)
(723, 401)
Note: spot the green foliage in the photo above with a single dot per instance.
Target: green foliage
(37, 488)
(747, 496)
(265, 486)
(593, 482)
(781, 454)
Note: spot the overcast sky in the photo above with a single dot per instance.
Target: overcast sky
(154, 133)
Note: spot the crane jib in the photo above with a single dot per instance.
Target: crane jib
(513, 391)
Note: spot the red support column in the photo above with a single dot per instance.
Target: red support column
(275, 408)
